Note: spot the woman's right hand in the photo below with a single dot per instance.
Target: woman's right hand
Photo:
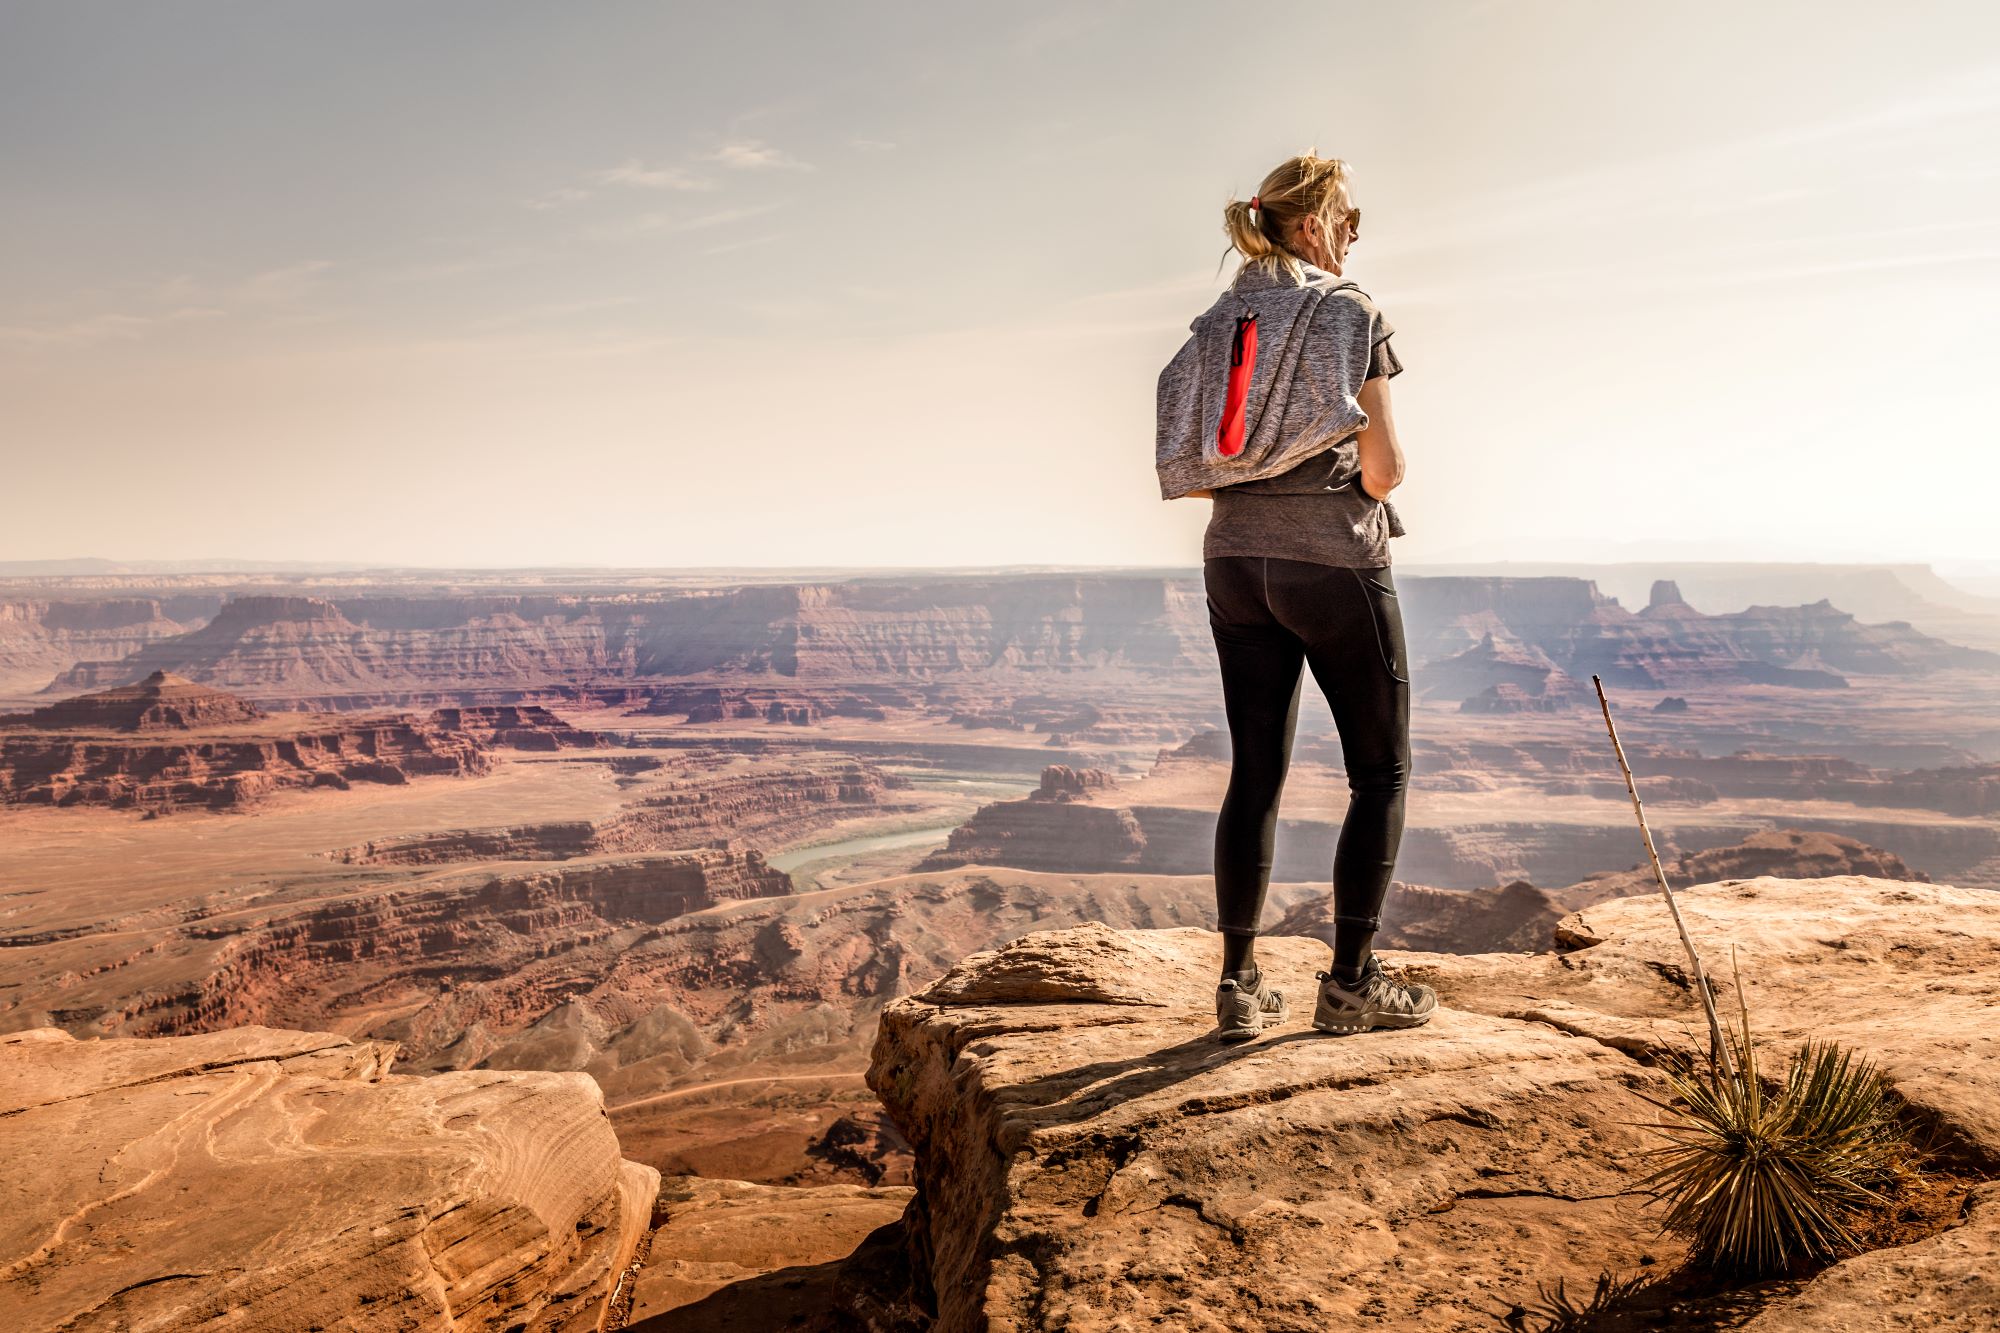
(1381, 455)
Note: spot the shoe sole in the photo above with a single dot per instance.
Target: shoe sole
(1264, 1021)
(1369, 1022)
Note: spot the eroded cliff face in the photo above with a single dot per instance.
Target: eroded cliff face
(720, 801)
(286, 1180)
(1088, 1157)
(1537, 634)
(160, 775)
(39, 638)
(168, 744)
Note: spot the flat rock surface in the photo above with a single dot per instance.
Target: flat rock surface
(730, 1254)
(1089, 1157)
(283, 1180)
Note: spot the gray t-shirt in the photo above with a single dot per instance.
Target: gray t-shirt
(1296, 516)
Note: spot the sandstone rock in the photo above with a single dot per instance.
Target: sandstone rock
(1090, 1158)
(718, 1237)
(1091, 963)
(283, 1180)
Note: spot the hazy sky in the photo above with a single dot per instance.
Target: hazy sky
(665, 284)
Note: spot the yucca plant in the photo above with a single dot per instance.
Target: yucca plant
(1758, 1181)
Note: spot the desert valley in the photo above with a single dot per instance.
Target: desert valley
(489, 851)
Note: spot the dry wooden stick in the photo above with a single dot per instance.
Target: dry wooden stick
(1718, 1048)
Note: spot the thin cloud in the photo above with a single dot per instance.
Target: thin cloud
(633, 172)
(673, 224)
(561, 198)
(176, 300)
(279, 285)
(90, 330)
(754, 155)
(746, 243)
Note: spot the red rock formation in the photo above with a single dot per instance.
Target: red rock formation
(1060, 782)
(559, 841)
(516, 727)
(750, 801)
(159, 775)
(160, 702)
(810, 791)
(167, 744)
(1052, 828)
(797, 706)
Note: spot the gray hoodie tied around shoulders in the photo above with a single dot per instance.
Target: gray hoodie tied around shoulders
(1313, 344)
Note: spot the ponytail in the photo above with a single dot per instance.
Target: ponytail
(1297, 188)
(1244, 227)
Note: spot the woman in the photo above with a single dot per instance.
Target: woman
(1278, 408)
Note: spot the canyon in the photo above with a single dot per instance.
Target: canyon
(374, 648)
(689, 841)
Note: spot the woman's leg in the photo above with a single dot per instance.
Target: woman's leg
(1352, 624)
(1261, 665)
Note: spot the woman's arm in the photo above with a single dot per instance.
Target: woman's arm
(1381, 456)
(1199, 495)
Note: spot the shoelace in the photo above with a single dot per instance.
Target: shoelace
(1401, 993)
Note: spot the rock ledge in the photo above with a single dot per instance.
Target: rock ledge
(1090, 1158)
(283, 1180)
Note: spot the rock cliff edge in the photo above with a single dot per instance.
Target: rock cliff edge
(1090, 1158)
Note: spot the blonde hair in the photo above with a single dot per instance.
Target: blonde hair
(1297, 188)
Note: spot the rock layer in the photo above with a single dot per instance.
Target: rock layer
(722, 800)
(167, 744)
(350, 651)
(160, 702)
(273, 1179)
(161, 776)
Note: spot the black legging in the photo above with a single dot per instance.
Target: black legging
(1269, 616)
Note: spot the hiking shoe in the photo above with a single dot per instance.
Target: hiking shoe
(1242, 1012)
(1372, 1002)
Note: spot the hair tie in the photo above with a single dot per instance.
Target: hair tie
(1256, 204)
